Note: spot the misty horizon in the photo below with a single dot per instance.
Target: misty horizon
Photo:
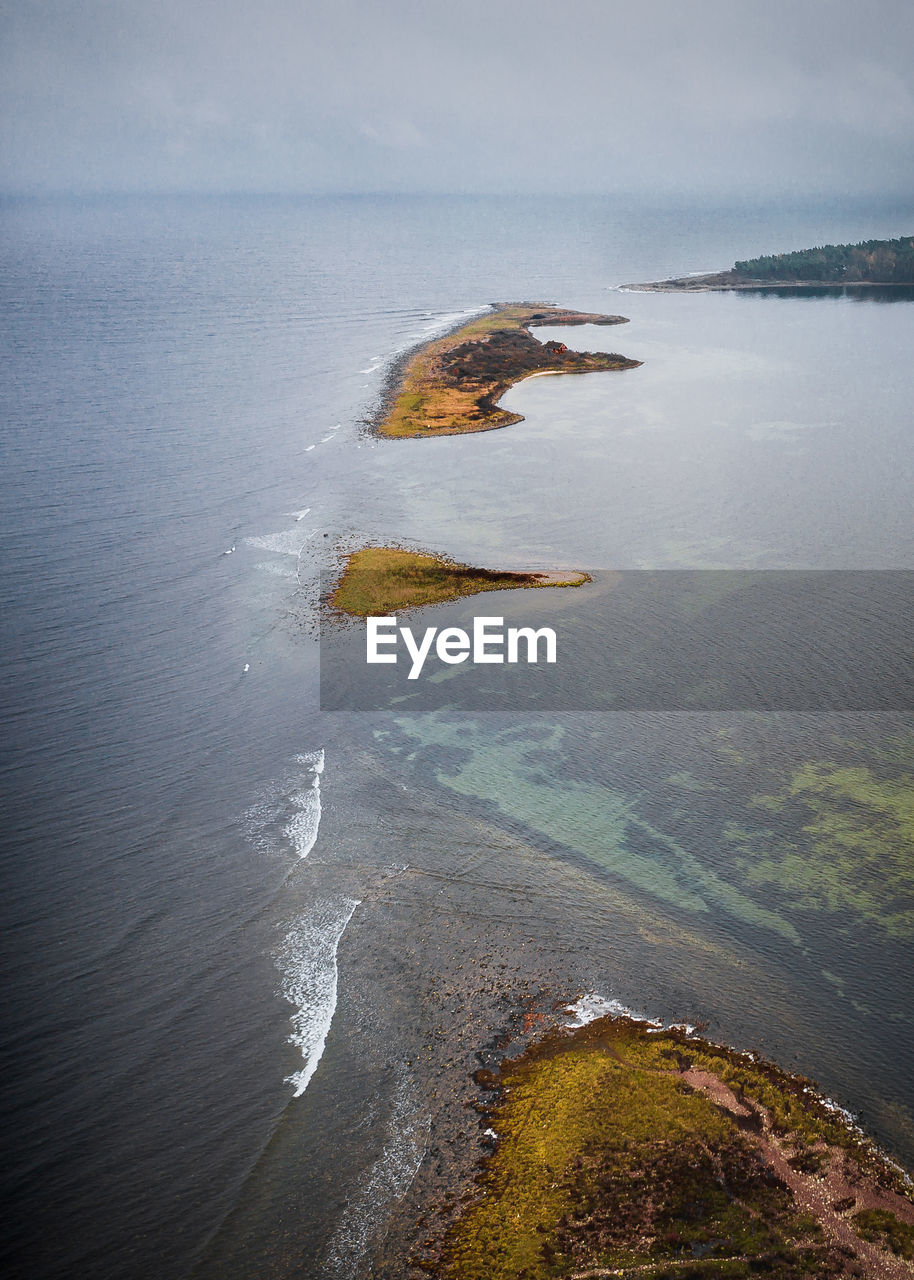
(708, 102)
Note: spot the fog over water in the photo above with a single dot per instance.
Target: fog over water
(710, 99)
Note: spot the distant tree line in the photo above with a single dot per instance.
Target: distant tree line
(878, 261)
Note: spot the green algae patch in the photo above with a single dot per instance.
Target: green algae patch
(780, 843)
(452, 385)
(851, 848)
(621, 1150)
(520, 777)
(386, 580)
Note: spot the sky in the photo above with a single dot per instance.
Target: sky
(705, 97)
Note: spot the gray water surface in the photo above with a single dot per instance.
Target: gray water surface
(185, 386)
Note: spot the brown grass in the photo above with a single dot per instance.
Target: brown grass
(452, 385)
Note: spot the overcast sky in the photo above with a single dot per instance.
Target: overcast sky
(703, 96)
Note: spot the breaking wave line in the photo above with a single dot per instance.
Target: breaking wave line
(307, 961)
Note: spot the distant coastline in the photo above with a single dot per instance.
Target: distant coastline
(723, 281)
(882, 263)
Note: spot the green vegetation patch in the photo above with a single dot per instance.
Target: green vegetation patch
(385, 580)
(452, 385)
(606, 1158)
(793, 1106)
(875, 261)
(882, 1227)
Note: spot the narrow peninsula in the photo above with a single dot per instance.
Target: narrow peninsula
(452, 385)
(869, 262)
(625, 1149)
(386, 580)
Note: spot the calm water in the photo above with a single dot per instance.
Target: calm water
(195, 860)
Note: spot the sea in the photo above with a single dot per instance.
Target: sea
(224, 908)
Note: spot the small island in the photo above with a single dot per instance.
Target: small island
(869, 262)
(452, 385)
(625, 1149)
(386, 580)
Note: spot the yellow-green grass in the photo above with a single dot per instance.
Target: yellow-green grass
(452, 385)
(607, 1159)
(386, 580)
(882, 1227)
(793, 1106)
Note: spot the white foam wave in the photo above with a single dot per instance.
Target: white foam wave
(382, 1185)
(313, 759)
(437, 324)
(277, 569)
(301, 830)
(288, 542)
(443, 322)
(591, 1006)
(268, 825)
(308, 963)
(300, 515)
(847, 1116)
